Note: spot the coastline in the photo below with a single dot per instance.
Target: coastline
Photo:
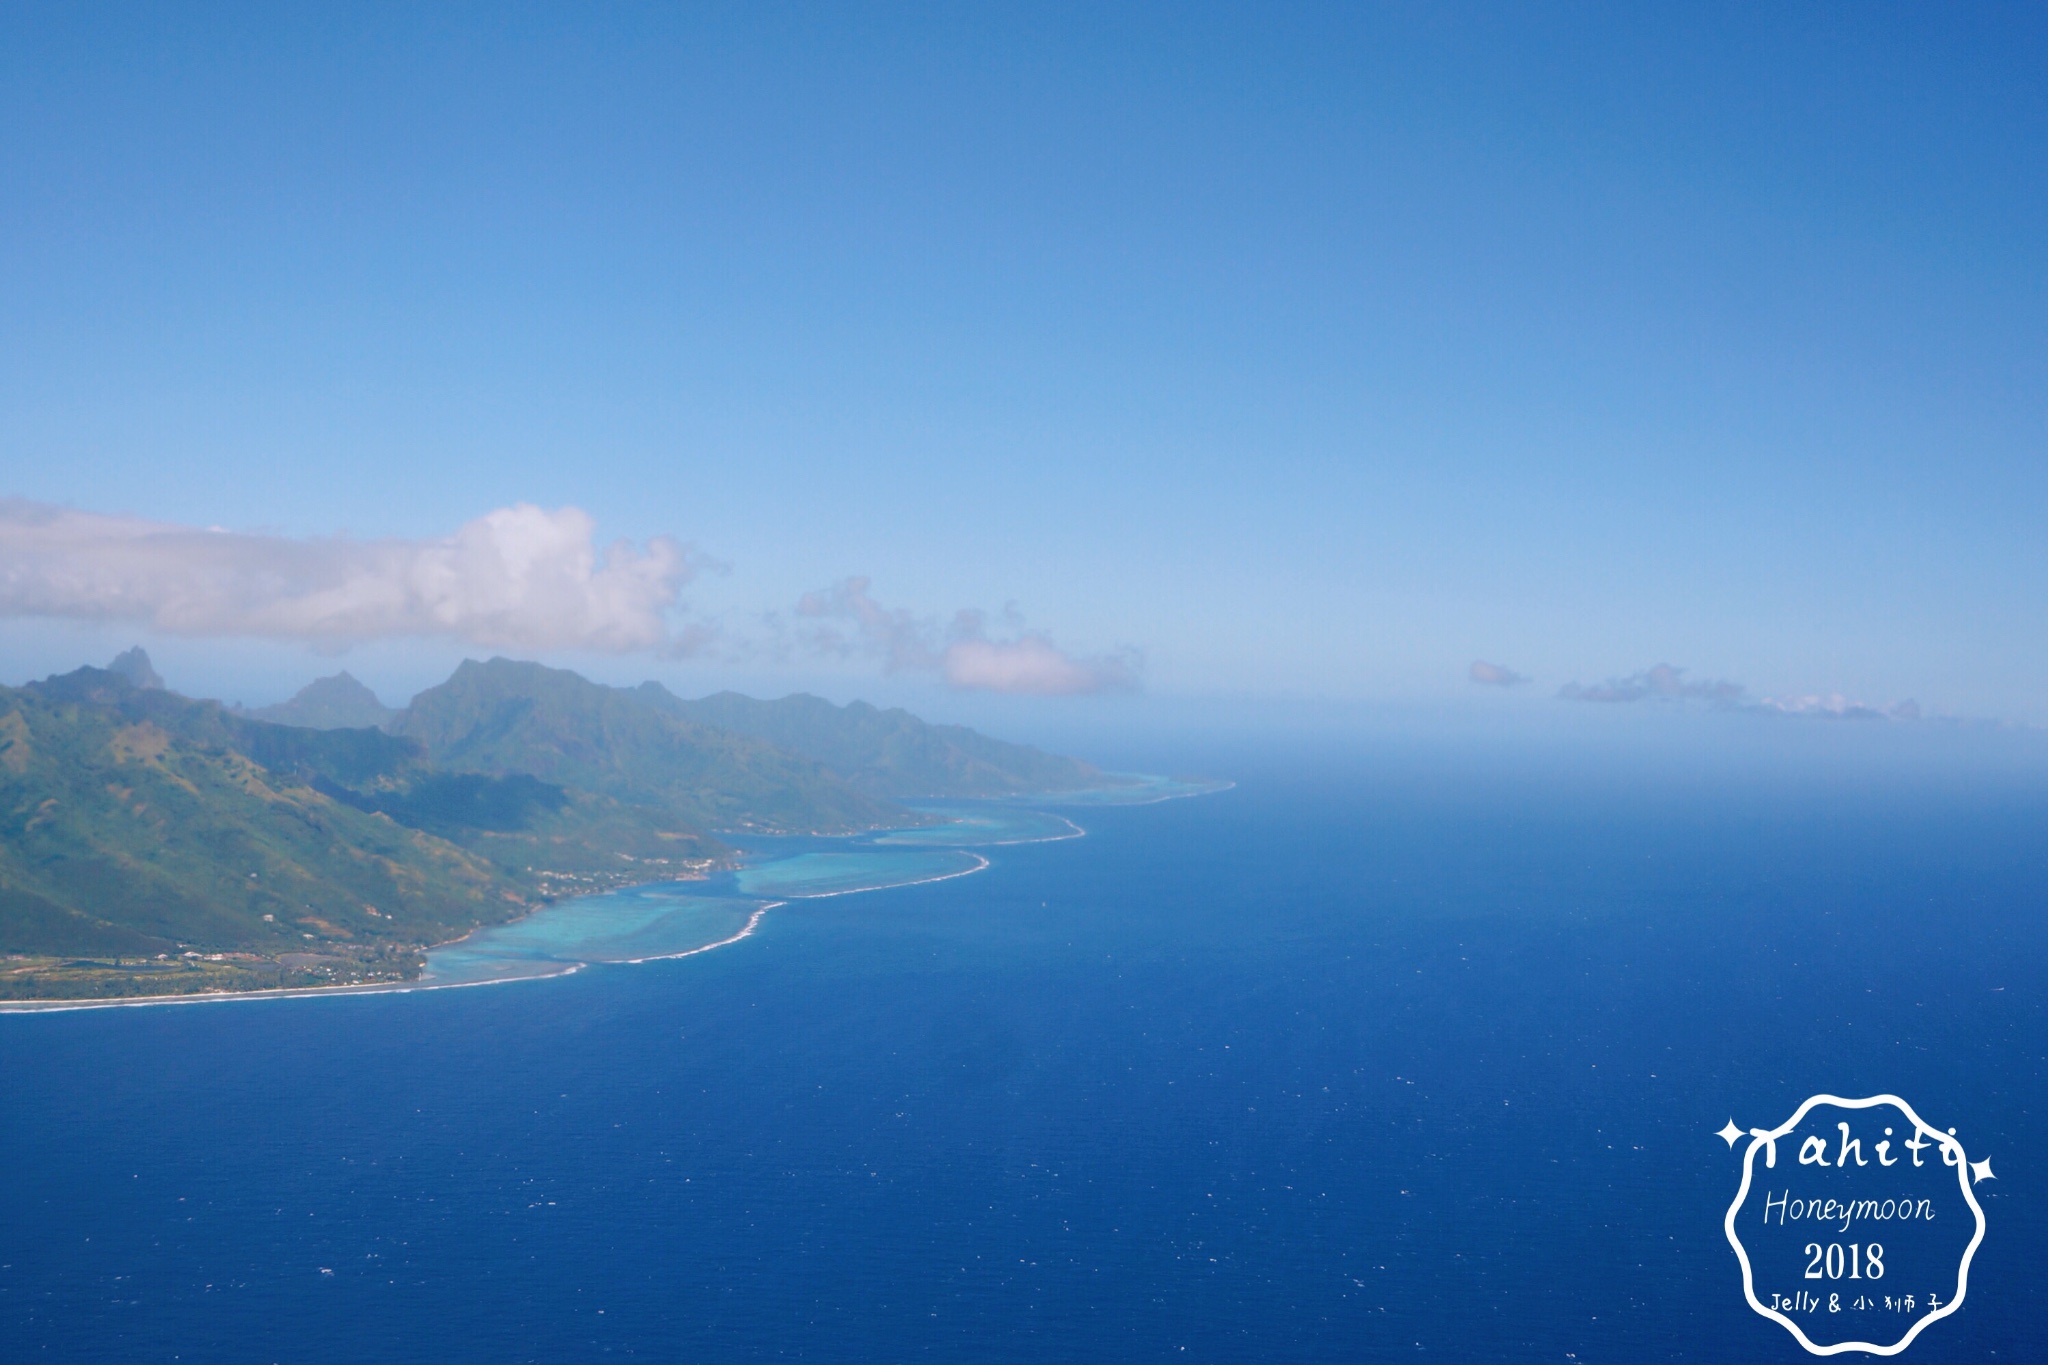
(567, 967)
(385, 987)
(286, 993)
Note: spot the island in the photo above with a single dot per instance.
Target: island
(152, 844)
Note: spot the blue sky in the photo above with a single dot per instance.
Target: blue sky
(1248, 351)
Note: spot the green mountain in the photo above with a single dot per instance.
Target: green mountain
(885, 753)
(504, 717)
(134, 822)
(555, 838)
(335, 703)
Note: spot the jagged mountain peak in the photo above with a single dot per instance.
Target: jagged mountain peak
(133, 664)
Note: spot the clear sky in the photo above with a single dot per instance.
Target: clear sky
(1257, 350)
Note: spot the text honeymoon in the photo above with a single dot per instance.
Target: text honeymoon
(1814, 1152)
(1847, 1211)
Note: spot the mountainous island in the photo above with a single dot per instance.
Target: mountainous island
(154, 844)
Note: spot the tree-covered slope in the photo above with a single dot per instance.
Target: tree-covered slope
(135, 821)
(505, 717)
(888, 753)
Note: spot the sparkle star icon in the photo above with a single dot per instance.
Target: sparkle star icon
(1981, 1170)
(1731, 1132)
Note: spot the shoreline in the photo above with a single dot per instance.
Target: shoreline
(406, 987)
(981, 864)
(385, 987)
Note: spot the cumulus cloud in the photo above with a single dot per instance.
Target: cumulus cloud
(1495, 675)
(1030, 663)
(1662, 681)
(845, 619)
(903, 641)
(521, 577)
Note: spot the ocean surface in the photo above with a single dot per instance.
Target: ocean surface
(1374, 1056)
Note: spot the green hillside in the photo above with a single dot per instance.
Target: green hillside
(886, 753)
(504, 717)
(134, 823)
(553, 836)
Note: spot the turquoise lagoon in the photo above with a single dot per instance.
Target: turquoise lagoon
(630, 925)
(673, 919)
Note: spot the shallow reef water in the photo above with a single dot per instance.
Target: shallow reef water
(675, 919)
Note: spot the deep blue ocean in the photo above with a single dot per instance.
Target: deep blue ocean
(1377, 1056)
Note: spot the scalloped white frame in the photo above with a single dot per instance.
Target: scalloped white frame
(1944, 1140)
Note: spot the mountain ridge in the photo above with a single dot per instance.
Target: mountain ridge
(889, 753)
(502, 716)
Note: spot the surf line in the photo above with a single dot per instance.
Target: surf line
(753, 923)
(979, 863)
(1074, 831)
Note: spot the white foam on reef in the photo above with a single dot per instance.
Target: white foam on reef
(979, 863)
(1142, 789)
(789, 886)
(753, 923)
(976, 821)
(632, 924)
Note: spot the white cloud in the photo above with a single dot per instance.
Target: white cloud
(962, 652)
(521, 577)
(899, 637)
(1494, 675)
(1030, 663)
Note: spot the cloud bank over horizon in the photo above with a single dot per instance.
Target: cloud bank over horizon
(961, 651)
(520, 577)
(1662, 682)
